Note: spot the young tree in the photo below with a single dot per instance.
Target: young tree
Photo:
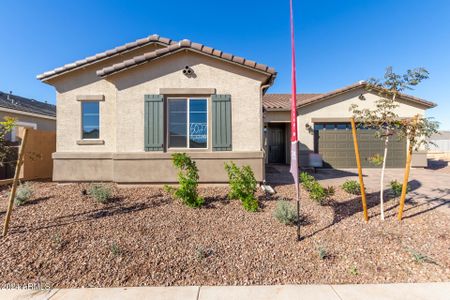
(5, 127)
(417, 131)
(383, 118)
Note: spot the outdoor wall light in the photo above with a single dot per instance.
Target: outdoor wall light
(361, 97)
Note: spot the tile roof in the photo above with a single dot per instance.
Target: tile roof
(106, 54)
(281, 101)
(18, 103)
(188, 45)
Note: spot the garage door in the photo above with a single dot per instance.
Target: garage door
(335, 143)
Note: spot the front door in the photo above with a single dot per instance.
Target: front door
(276, 144)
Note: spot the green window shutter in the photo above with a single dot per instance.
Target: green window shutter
(221, 122)
(154, 123)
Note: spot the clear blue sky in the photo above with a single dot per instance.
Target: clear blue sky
(338, 41)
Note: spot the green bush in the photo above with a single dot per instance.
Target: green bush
(316, 192)
(100, 193)
(307, 180)
(23, 194)
(352, 187)
(242, 185)
(320, 194)
(286, 213)
(187, 179)
(396, 188)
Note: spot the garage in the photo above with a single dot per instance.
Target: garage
(334, 142)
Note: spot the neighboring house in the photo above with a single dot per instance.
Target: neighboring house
(123, 112)
(324, 127)
(441, 143)
(28, 113)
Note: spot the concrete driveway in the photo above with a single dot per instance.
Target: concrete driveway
(430, 185)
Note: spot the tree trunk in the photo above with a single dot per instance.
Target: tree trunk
(383, 168)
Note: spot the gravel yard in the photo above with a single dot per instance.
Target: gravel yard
(143, 237)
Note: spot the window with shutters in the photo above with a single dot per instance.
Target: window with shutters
(187, 123)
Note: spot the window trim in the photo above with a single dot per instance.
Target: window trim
(188, 109)
(90, 141)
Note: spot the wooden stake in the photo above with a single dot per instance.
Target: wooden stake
(360, 175)
(12, 195)
(406, 177)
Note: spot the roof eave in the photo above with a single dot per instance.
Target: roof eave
(103, 74)
(45, 78)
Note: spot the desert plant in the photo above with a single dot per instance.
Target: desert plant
(58, 242)
(396, 188)
(419, 257)
(242, 185)
(376, 159)
(353, 270)
(187, 179)
(202, 253)
(100, 193)
(383, 119)
(320, 194)
(23, 194)
(323, 253)
(352, 187)
(286, 213)
(316, 192)
(307, 180)
(115, 249)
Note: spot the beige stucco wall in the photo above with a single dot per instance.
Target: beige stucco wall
(338, 107)
(243, 86)
(86, 82)
(132, 167)
(44, 124)
(122, 120)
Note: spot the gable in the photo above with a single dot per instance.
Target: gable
(188, 46)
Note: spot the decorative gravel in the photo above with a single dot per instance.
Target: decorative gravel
(144, 237)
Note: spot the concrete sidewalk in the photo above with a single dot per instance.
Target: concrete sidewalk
(400, 291)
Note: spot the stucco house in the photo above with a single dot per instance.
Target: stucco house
(324, 127)
(29, 113)
(123, 112)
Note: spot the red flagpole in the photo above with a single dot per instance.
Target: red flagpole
(294, 137)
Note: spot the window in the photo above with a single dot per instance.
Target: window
(90, 119)
(188, 123)
(332, 126)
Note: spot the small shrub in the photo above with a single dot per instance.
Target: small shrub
(187, 179)
(58, 242)
(23, 194)
(201, 253)
(352, 187)
(354, 271)
(396, 188)
(115, 249)
(242, 185)
(419, 257)
(286, 213)
(307, 180)
(100, 193)
(323, 253)
(376, 160)
(316, 192)
(320, 194)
